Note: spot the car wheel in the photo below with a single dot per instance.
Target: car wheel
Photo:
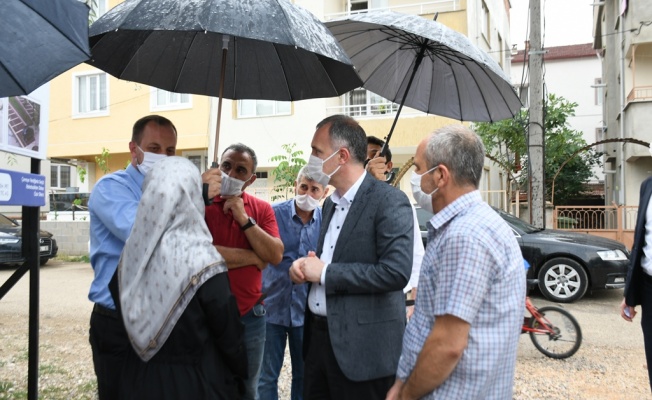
(44, 260)
(563, 280)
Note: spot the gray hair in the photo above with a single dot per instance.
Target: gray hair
(304, 173)
(461, 150)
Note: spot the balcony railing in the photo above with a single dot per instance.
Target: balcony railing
(374, 110)
(429, 7)
(640, 93)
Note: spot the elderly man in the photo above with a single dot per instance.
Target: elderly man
(461, 342)
(356, 314)
(245, 233)
(299, 221)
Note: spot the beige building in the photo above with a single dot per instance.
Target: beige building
(92, 111)
(623, 34)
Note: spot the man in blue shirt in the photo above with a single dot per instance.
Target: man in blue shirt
(299, 221)
(112, 206)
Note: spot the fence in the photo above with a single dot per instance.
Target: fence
(613, 222)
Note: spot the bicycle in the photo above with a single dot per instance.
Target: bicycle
(553, 330)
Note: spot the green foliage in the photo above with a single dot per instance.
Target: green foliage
(92, 13)
(102, 161)
(286, 171)
(81, 172)
(507, 142)
(11, 159)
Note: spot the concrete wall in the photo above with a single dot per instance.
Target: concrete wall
(72, 236)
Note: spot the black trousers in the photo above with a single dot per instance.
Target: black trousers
(323, 378)
(110, 346)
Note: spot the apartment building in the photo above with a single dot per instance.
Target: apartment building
(92, 112)
(622, 33)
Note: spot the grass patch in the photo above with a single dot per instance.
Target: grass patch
(51, 369)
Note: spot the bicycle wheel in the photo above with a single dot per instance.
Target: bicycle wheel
(558, 333)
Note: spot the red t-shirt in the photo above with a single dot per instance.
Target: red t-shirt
(246, 282)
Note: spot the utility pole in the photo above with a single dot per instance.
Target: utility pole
(536, 142)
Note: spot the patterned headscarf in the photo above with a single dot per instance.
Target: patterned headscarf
(168, 255)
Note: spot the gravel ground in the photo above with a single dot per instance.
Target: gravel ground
(609, 365)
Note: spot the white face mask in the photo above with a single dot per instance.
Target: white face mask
(231, 186)
(149, 159)
(305, 202)
(423, 199)
(315, 169)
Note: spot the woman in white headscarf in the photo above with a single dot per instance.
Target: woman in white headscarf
(174, 296)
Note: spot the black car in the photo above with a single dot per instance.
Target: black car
(11, 243)
(567, 264)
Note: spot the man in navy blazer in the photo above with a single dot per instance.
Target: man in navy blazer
(355, 316)
(638, 287)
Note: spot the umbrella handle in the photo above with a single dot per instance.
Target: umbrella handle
(204, 187)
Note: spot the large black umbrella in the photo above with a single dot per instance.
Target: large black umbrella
(238, 49)
(40, 39)
(425, 65)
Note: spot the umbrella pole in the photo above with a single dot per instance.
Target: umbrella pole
(417, 63)
(225, 47)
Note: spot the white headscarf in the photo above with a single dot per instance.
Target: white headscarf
(168, 255)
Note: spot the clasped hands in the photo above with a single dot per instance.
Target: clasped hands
(306, 269)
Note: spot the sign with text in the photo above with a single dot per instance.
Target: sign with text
(21, 189)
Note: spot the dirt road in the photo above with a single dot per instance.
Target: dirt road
(609, 365)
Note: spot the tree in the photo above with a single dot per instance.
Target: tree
(506, 141)
(286, 172)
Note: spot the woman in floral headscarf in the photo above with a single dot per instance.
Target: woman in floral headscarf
(174, 296)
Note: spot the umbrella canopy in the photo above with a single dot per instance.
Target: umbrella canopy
(449, 75)
(276, 50)
(38, 41)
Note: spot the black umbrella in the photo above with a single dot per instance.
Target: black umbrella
(40, 39)
(425, 65)
(238, 49)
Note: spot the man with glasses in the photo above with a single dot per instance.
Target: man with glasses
(245, 233)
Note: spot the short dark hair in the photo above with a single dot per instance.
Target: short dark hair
(139, 126)
(380, 142)
(242, 148)
(344, 131)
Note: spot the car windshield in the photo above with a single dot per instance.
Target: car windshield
(517, 223)
(6, 222)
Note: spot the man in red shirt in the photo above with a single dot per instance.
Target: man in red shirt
(245, 233)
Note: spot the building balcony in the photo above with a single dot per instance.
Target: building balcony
(371, 110)
(640, 93)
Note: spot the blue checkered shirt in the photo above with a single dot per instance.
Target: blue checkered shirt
(472, 269)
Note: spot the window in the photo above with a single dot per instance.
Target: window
(361, 102)
(599, 91)
(91, 95)
(97, 9)
(501, 53)
(359, 6)
(59, 176)
(261, 175)
(198, 158)
(163, 100)
(524, 95)
(263, 108)
(485, 23)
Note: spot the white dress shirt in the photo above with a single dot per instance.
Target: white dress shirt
(417, 254)
(317, 295)
(646, 260)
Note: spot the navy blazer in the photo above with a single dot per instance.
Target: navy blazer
(633, 285)
(364, 282)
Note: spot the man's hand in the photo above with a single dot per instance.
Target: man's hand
(395, 390)
(212, 177)
(296, 272)
(628, 313)
(377, 167)
(235, 205)
(312, 267)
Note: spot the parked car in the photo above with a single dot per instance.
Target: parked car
(567, 264)
(11, 243)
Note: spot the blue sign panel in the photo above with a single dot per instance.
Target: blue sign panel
(21, 189)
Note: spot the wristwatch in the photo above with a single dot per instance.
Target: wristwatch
(250, 222)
